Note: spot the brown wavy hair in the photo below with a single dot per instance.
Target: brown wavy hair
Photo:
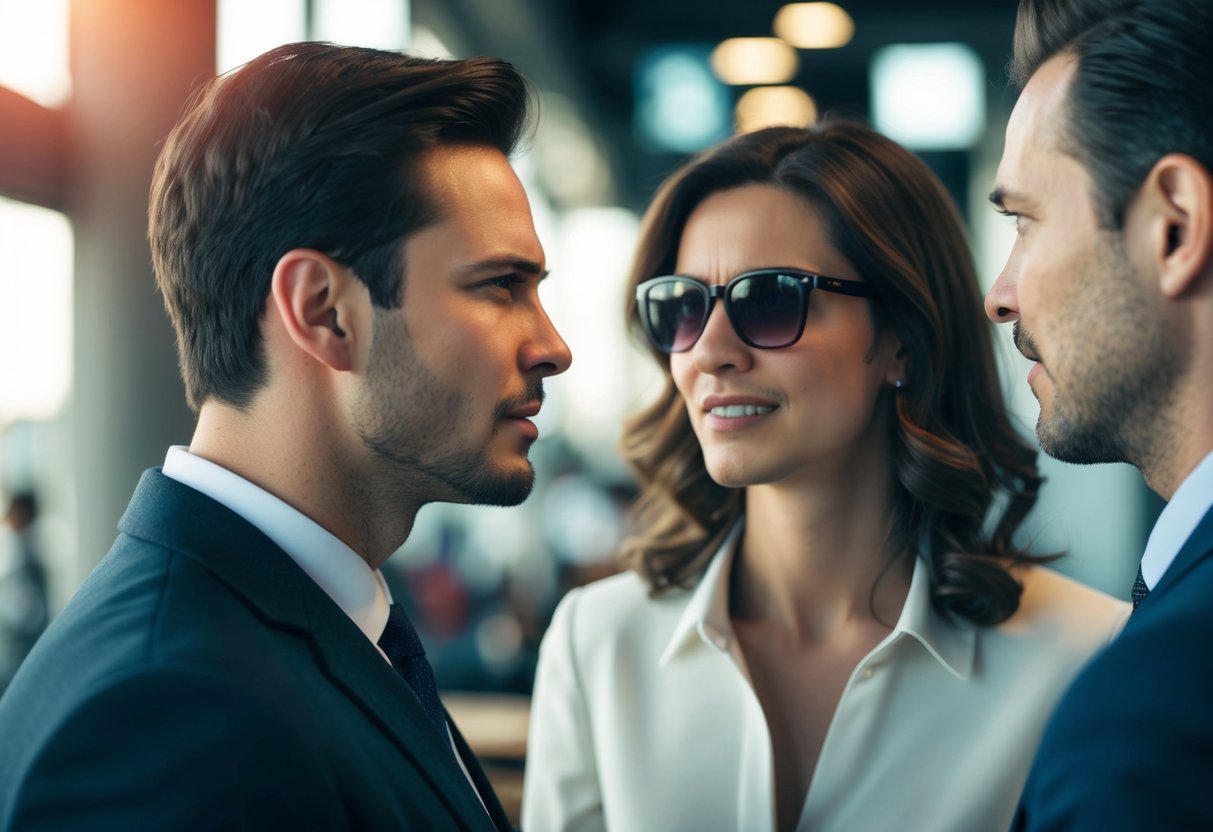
(965, 479)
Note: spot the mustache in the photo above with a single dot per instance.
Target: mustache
(533, 393)
(1024, 342)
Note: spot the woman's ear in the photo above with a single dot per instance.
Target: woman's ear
(318, 301)
(899, 364)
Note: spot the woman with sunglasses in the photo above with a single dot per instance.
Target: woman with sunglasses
(828, 623)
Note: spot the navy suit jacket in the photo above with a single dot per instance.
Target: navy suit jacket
(1130, 746)
(200, 679)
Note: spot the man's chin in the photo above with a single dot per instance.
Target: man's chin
(509, 494)
(1079, 445)
(500, 488)
(1052, 438)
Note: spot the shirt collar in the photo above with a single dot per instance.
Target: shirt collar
(336, 568)
(952, 643)
(1179, 518)
(706, 617)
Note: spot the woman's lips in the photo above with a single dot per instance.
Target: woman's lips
(725, 413)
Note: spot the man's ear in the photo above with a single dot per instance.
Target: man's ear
(1179, 194)
(321, 306)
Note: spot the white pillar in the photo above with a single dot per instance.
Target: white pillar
(133, 64)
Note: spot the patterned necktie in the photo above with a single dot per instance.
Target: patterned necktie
(1140, 590)
(402, 646)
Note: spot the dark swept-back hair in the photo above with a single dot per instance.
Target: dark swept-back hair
(309, 145)
(1142, 88)
(965, 478)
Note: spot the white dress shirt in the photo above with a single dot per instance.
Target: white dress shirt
(358, 590)
(644, 717)
(1179, 518)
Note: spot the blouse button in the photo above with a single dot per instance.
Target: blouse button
(868, 673)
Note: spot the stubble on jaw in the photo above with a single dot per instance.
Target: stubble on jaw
(1114, 373)
(411, 418)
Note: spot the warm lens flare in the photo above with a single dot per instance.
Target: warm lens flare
(774, 106)
(814, 25)
(743, 61)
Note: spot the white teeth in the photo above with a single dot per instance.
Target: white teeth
(736, 411)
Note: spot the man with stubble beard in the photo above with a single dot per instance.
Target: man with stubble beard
(351, 267)
(1108, 172)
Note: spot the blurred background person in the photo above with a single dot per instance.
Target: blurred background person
(24, 601)
(828, 623)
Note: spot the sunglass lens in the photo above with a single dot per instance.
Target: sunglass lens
(674, 313)
(766, 309)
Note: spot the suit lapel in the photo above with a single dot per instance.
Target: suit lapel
(1196, 548)
(385, 697)
(496, 811)
(170, 514)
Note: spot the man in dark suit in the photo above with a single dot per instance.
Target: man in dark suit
(1108, 172)
(350, 265)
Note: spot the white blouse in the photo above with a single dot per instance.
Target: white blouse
(644, 717)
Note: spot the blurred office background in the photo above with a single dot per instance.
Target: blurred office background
(89, 391)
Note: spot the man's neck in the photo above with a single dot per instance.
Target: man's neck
(289, 453)
(1180, 439)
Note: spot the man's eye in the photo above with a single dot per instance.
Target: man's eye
(1016, 219)
(506, 281)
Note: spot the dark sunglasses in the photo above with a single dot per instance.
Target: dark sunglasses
(766, 307)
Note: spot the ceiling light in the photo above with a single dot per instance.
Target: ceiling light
(929, 96)
(742, 61)
(772, 106)
(814, 25)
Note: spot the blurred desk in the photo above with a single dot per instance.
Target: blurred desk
(495, 726)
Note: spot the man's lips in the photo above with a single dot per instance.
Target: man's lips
(524, 411)
(520, 417)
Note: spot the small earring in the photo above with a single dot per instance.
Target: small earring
(898, 384)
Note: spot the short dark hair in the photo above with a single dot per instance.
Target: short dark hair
(965, 478)
(309, 145)
(1143, 86)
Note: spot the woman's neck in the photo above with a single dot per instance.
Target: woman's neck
(816, 557)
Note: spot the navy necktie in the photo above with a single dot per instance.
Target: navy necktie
(402, 646)
(1140, 590)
